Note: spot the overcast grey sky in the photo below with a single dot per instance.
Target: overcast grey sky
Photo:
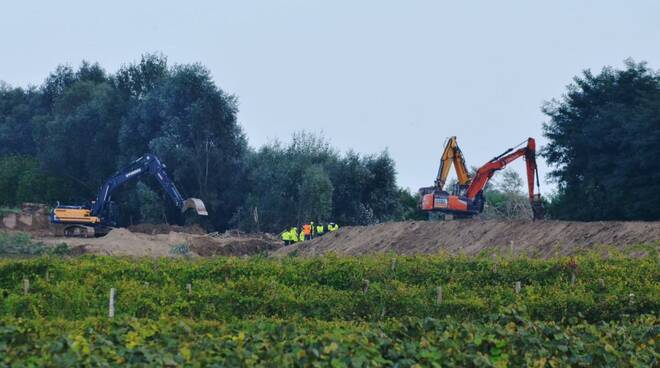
(370, 75)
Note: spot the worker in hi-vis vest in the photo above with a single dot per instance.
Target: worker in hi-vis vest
(293, 235)
(307, 231)
(320, 229)
(286, 237)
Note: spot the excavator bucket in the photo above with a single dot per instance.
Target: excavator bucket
(196, 204)
(537, 208)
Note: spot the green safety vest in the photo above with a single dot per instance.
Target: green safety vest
(286, 235)
(319, 229)
(333, 228)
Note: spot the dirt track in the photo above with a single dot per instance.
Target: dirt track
(471, 237)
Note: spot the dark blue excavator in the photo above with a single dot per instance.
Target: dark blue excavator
(99, 217)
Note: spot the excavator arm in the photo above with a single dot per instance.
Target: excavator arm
(485, 173)
(147, 164)
(452, 155)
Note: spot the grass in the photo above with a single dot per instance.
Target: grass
(20, 244)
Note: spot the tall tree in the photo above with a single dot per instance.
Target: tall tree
(604, 136)
(78, 140)
(17, 109)
(191, 125)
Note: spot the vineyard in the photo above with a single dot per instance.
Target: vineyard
(339, 311)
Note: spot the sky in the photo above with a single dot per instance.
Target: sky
(400, 76)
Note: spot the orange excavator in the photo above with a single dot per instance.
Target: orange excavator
(468, 200)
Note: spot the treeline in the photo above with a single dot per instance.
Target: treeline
(604, 138)
(61, 140)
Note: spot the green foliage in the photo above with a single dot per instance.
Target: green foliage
(17, 107)
(150, 205)
(21, 180)
(505, 199)
(333, 288)
(317, 312)
(315, 192)
(82, 125)
(604, 136)
(506, 340)
(20, 244)
(410, 206)
(7, 210)
(180, 250)
(309, 181)
(191, 125)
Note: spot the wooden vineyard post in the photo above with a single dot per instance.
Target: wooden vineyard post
(111, 303)
(393, 265)
(438, 295)
(573, 278)
(26, 286)
(189, 288)
(47, 275)
(366, 285)
(518, 287)
(494, 263)
(601, 282)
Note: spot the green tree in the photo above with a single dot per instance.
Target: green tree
(315, 196)
(409, 204)
(17, 109)
(603, 143)
(505, 199)
(151, 205)
(78, 140)
(308, 181)
(199, 139)
(21, 180)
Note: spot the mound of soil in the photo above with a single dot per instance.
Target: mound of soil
(471, 237)
(233, 244)
(124, 242)
(153, 229)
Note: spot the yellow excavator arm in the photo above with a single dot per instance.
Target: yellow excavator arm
(452, 155)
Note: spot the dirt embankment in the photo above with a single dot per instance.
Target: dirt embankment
(472, 237)
(32, 217)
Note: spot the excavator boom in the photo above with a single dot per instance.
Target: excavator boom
(452, 155)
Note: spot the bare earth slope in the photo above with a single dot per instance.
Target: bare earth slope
(471, 237)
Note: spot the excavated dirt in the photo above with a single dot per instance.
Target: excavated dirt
(231, 244)
(123, 242)
(153, 229)
(540, 239)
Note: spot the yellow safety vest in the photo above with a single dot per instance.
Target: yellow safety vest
(294, 235)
